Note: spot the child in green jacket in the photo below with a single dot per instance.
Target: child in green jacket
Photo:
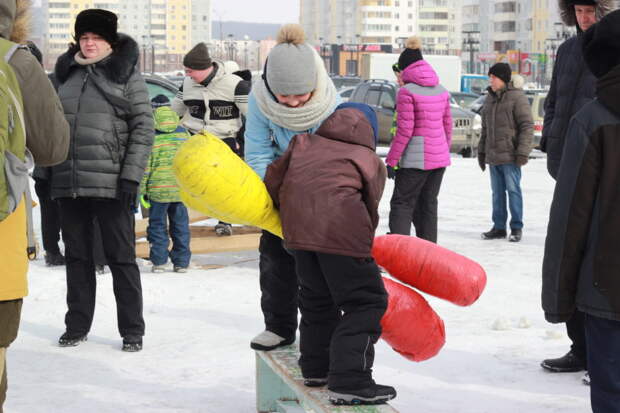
(159, 188)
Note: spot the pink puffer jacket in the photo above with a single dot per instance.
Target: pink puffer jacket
(424, 122)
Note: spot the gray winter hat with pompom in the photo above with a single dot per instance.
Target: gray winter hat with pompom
(291, 66)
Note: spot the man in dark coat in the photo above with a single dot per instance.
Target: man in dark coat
(106, 102)
(581, 261)
(572, 86)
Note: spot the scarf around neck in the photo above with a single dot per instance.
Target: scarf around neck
(81, 60)
(310, 115)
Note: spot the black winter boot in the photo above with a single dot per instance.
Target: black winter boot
(568, 363)
(71, 339)
(515, 235)
(375, 394)
(132, 343)
(494, 234)
(53, 259)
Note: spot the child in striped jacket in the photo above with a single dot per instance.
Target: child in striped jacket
(159, 188)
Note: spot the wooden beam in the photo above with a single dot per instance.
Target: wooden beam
(211, 244)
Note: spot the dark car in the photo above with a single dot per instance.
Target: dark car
(381, 96)
(158, 85)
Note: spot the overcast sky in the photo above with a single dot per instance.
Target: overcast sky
(262, 11)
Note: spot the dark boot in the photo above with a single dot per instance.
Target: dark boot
(71, 339)
(53, 259)
(375, 394)
(568, 363)
(515, 235)
(132, 343)
(494, 234)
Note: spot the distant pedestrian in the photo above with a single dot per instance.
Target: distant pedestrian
(505, 145)
(159, 187)
(420, 150)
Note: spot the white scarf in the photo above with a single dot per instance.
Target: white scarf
(304, 118)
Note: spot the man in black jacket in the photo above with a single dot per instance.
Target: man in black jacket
(581, 261)
(572, 86)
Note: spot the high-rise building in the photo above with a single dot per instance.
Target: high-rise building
(383, 22)
(164, 29)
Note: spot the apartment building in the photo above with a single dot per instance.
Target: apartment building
(384, 22)
(164, 29)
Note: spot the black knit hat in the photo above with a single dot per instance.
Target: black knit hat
(98, 21)
(601, 47)
(198, 58)
(159, 101)
(501, 70)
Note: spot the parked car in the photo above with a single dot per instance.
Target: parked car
(345, 81)
(476, 105)
(157, 85)
(537, 101)
(381, 96)
(464, 99)
(345, 93)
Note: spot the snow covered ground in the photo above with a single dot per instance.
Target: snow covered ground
(196, 355)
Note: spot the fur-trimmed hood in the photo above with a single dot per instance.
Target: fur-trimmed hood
(15, 20)
(117, 68)
(567, 11)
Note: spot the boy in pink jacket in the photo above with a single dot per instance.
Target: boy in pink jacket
(420, 151)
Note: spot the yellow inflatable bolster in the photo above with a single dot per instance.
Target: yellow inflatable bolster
(216, 182)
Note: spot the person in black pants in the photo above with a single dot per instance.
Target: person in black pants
(572, 86)
(50, 217)
(341, 294)
(107, 105)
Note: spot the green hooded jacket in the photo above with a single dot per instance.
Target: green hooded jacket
(159, 183)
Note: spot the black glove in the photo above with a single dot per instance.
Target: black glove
(543, 144)
(481, 161)
(391, 172)
(128, 192)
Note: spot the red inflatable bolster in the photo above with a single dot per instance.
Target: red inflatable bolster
(410, 325)
(430, 268)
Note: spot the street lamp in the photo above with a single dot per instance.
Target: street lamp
(245, 49)
(357, 60)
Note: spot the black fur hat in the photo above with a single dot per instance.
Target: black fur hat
(98, 21)
(601, 47)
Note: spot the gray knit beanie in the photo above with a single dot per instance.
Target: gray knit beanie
(291, 66)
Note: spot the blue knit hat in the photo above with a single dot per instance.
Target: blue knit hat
(367, 111)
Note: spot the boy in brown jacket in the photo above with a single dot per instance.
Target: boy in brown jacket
(328, 186)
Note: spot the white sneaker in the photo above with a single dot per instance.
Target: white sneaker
(158, 269)
(268, 341)
(181, 270)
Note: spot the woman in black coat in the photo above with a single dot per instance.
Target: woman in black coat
(106, 103)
